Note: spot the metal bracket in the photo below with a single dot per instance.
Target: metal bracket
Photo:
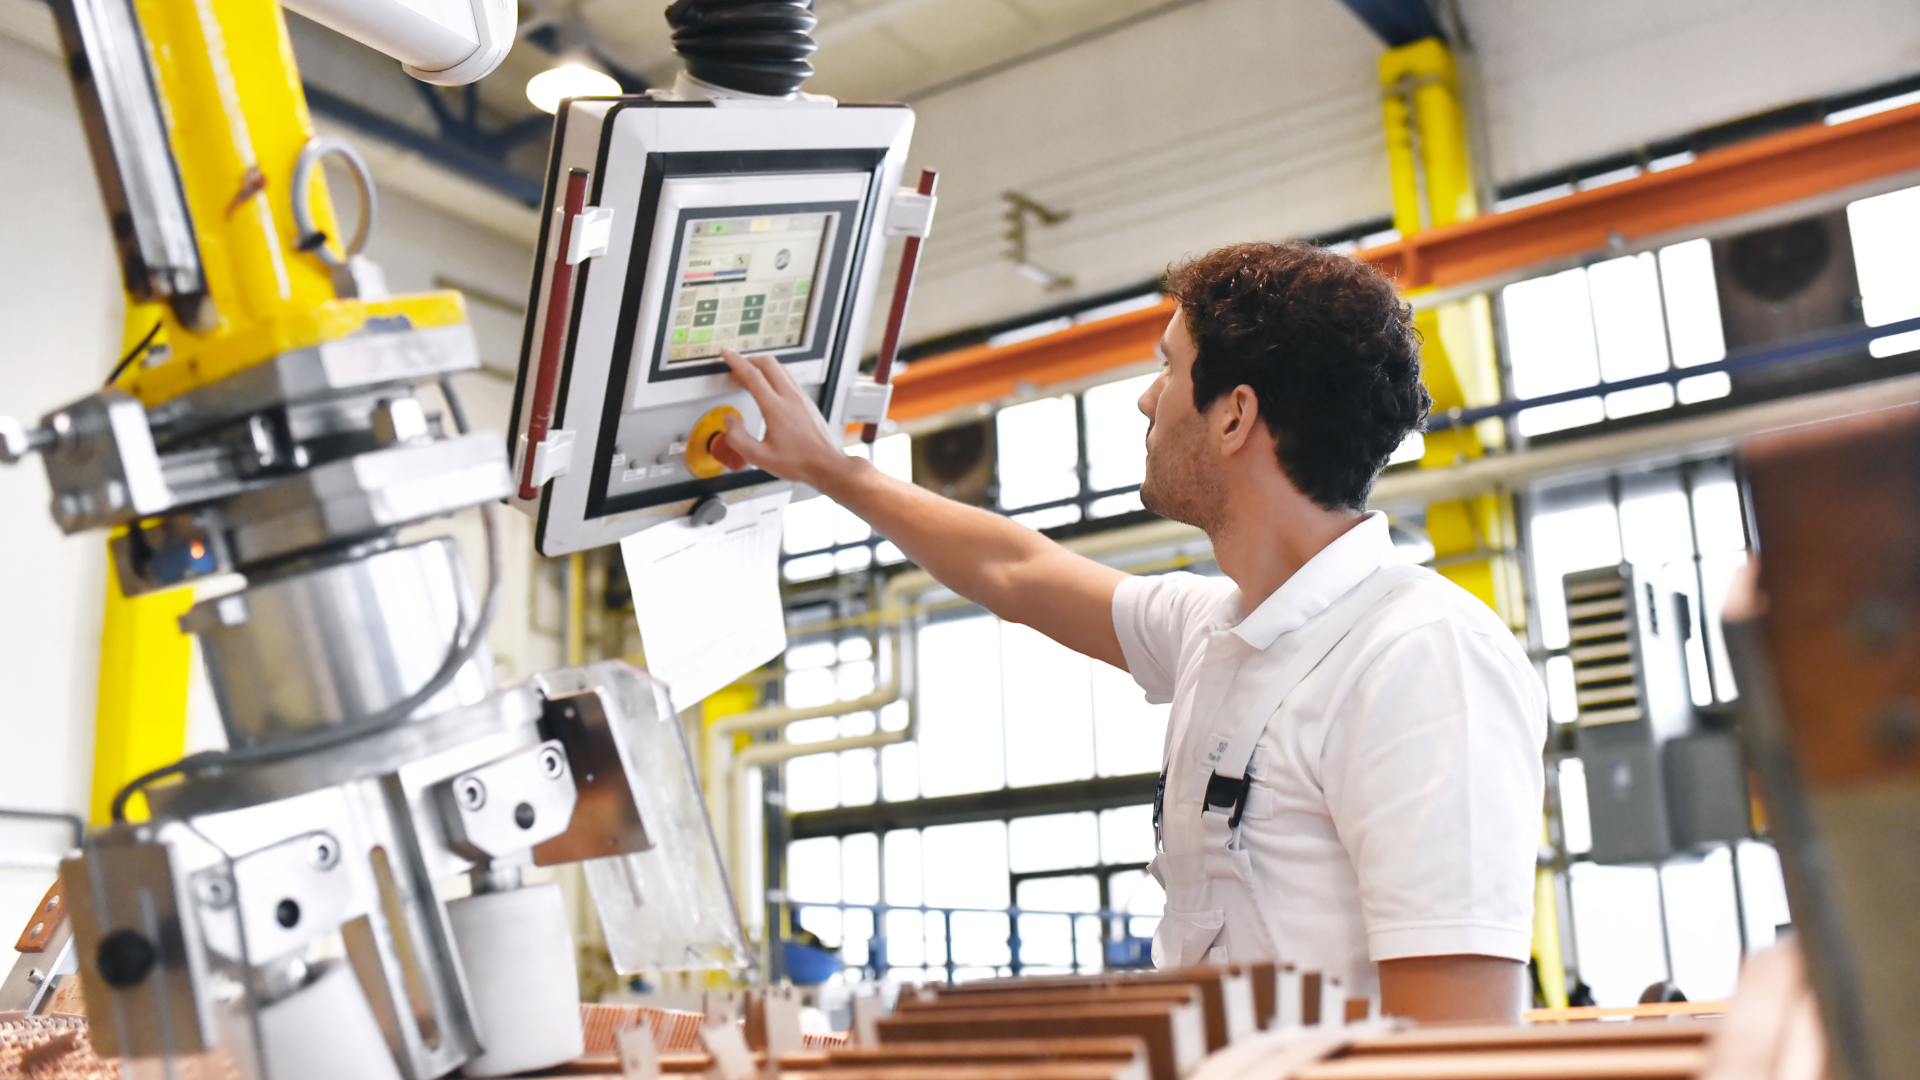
(552, 457)
(867, 401)
(606, 819)
(911, 213)
(592, 231)
(511, 805)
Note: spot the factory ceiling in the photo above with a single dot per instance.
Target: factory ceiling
(1126, 133)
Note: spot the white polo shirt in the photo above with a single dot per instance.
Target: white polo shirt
(1395, 808)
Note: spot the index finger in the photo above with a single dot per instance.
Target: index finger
(778, 377)
(749, 374)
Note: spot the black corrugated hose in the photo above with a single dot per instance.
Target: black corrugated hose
(749, 46)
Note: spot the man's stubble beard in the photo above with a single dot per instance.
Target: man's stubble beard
(1179, 485)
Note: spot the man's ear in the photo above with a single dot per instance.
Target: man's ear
(1240, 418)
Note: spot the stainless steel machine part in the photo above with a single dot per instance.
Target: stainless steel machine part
(365, 494)
(128, 129)
(338, 643)
(101, 463)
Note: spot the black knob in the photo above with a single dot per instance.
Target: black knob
(287, 914)
(124, 959)
(523, 815)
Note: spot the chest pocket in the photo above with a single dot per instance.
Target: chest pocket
(1262, 803)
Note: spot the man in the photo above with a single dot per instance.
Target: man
(1353, 778)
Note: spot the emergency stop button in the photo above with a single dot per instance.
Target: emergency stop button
(701, 461)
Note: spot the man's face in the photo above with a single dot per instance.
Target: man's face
(1181, 483)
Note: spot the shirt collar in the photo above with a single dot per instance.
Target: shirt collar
(1326, 577)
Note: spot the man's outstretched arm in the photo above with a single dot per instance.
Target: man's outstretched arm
(1005, 567)
(1454, 989)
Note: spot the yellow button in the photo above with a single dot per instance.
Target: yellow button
(700, 459)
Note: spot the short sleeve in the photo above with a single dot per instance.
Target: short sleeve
(1432, 772)
(1152, 617)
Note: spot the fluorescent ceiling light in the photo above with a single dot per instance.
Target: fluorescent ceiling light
(554, 85)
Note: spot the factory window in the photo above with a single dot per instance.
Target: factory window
(1685, 919)
(1886, 231)
(1038, 894)
(1002, 706)
(1055, 463)
(1626, 318)
(823, 538)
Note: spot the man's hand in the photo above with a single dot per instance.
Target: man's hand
(1004, 567)
(797, 444)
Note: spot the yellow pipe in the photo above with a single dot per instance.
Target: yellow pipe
(1546, 940)
(576, 609)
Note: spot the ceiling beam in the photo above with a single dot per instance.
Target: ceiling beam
(1729, 184)
(1396, 22)
(1742, 179)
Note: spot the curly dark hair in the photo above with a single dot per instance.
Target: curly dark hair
(1328, 347)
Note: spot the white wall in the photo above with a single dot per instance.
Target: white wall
(1570, 80)
(61, 308)
(1229, 120)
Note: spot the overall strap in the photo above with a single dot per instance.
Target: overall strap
(1227, 787)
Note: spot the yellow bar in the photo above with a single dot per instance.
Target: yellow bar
(1546, 940)
(140, 714)
(1432, 180)
(1642, 1012)
(238, 118)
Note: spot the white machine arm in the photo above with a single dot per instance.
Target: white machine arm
(449, 43)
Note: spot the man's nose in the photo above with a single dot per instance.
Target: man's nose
(1151, 397)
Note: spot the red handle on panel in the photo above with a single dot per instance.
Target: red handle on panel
(897, 313)
(553, 335)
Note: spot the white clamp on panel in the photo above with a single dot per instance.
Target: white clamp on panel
(867, 401)
(911, 213)
(553, 457)
(592, 229)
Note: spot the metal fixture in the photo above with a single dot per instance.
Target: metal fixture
(1021, 209)
(369, 755)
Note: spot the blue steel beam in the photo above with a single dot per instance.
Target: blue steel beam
(440, 151)
(1396, 22)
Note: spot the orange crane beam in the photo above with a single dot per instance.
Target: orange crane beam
(1773, 170)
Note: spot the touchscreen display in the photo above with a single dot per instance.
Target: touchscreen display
(745, 283)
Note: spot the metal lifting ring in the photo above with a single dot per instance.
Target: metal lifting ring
(312, 239)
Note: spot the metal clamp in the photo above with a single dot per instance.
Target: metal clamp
(510, 805)
(868, 401)
(911, 214)
(552, 456)
(592, 231)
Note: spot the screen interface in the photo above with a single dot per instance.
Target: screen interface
(745, 283)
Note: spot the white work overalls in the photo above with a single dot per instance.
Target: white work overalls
(1214, 911)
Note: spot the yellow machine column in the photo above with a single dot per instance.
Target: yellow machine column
(221, 275)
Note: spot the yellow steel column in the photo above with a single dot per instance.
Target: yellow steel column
(1473, 539)
(140, 699)
(140, 713)
(1433, 187)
